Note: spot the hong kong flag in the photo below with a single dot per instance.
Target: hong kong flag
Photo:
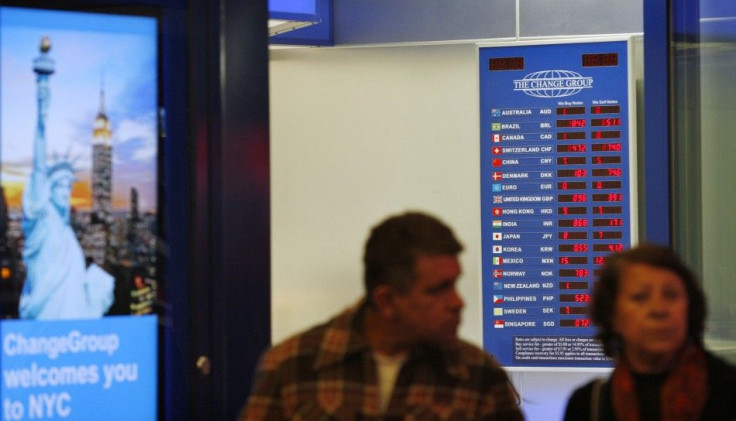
(497, 211)
(497, 162)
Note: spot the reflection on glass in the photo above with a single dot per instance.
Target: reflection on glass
(704, 94)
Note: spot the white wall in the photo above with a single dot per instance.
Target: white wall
(357, 134)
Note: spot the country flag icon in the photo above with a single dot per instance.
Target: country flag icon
(498, 311)
(497, 261)
(496, 236)
(495, 126)
(496, 187)
(496, 138)
(497, 199)
(497, 162)
(497, 223)
(497, 175)
(497, 286)
(496, 150)
(497, 299)
(497, 273)
(495, 112)
(497, 211)
(498, 324)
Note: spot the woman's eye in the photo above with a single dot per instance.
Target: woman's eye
(672, 293)
(639, 297)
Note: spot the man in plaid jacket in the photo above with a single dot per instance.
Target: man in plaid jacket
(394, 355)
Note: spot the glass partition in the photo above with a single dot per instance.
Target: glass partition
(703, 65)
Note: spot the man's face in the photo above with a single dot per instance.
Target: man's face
(61, 192)
(429, 312)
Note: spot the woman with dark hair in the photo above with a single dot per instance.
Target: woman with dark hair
(650, 312)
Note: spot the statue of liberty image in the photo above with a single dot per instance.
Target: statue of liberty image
(58, 285)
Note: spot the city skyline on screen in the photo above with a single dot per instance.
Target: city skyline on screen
(103, 63)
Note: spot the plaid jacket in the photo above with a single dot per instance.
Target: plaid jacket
(328, 373)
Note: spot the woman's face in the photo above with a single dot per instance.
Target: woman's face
(650, 315)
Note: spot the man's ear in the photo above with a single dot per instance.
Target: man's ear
(383, 299)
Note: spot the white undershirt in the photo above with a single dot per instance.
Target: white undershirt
(388, 369)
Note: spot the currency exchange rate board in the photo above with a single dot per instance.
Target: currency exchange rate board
(557, 193)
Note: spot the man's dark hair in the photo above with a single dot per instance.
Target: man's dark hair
(607, 290)
(394, 244)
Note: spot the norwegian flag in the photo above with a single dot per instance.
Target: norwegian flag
(497, 273)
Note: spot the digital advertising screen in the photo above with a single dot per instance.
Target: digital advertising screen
(79, 237)
(557, 193)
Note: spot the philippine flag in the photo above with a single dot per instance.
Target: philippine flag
(497, 299)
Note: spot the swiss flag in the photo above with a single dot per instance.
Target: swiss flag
(496, 150)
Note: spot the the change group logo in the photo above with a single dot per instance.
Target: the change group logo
(553, 83)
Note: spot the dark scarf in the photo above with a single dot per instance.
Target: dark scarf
(683, 393)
